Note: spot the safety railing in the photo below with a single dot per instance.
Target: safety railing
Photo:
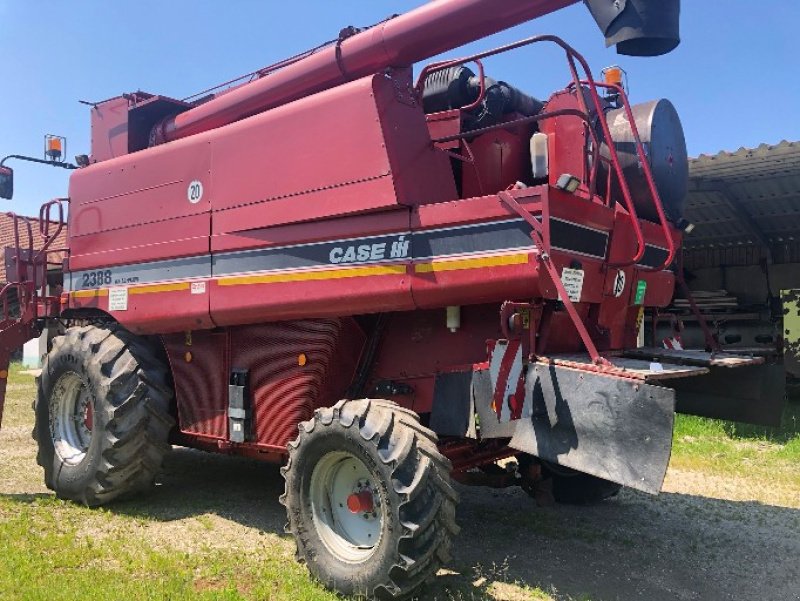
(29, 265)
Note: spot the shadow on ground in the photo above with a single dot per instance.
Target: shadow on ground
(635, 546)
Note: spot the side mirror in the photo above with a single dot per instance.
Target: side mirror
(6, 182)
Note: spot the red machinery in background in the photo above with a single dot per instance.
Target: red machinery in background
(466, 265)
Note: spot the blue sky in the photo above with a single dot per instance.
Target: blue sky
(733, 79)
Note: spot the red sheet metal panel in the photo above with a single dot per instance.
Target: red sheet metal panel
(460, 276)
(136, 208)
(284, 387)
(502, 158)
(151, 308)
(199, 364)
(110, 129)
(351, 226)
(182, 237)
(360, 147)
(145, 187)
(289, 369)
(421, 347)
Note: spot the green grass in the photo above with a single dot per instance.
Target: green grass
(20, 390)
(45, 557)
(729, 448)
(48, 556)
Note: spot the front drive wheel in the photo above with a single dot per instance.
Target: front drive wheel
(369, 499)
(102, 414)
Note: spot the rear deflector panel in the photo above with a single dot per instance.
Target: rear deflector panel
(615, 428)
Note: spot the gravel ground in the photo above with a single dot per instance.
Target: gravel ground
(705, 538)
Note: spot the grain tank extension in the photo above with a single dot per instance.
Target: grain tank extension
(384, 277)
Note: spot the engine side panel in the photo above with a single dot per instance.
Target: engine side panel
(292, 368)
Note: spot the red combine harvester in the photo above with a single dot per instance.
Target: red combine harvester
(425, 276)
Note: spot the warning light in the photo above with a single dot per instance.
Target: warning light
(54, 147)
(615, 76)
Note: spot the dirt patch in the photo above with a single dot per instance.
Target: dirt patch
(732, 488)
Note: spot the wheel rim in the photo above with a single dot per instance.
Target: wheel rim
(346, 506)
(71, 418)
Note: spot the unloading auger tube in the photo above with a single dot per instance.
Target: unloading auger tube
(637, 27)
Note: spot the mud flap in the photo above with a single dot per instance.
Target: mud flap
(619, 429)
(753, 394)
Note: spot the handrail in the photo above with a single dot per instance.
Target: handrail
(26, 283)
(642, 157)
(547, 261)
(44, 230)
(17, 251)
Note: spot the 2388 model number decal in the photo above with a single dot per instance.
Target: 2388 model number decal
(93, 279)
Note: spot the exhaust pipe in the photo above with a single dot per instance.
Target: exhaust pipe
(638, 27)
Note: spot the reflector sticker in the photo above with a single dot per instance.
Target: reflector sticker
(507, 377)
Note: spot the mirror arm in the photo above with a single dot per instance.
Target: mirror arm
(42, 161)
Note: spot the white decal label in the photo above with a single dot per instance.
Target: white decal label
(194, 193)
(198, 287)
(117, 299)
(573, 283)
(619, 283)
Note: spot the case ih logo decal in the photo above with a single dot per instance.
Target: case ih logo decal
(365, 253)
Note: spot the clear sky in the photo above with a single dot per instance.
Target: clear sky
(734, 79)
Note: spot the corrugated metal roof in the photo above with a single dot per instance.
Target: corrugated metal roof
(751, 196)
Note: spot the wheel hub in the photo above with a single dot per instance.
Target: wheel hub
(346, 506)
(71, 418)
(361, 502)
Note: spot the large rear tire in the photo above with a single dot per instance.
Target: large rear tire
(369, 499)
(102, 414)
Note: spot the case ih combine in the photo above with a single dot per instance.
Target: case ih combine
(423, 275)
